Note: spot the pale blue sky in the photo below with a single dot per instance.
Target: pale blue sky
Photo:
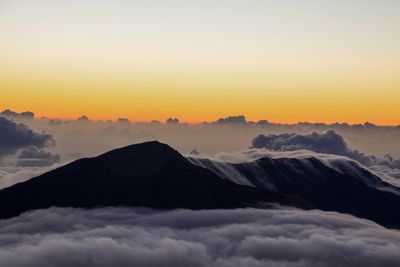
(213, 30)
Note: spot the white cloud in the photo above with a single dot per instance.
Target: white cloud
(329, 142)
(242, 237)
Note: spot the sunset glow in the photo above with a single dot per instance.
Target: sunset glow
(285, 61)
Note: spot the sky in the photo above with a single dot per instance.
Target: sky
(285, 61)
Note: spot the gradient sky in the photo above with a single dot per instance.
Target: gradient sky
(282, 60)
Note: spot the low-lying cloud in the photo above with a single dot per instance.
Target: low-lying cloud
(242, 237)
(12, 175)
(329, 142)
(35, 157)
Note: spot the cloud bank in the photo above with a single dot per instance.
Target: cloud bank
(221, 238)
(232, 119)
(15, 115)
(329, 142)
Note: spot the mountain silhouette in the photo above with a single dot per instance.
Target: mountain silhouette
(154, 175)
(150, 174)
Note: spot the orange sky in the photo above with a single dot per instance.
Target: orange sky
(284, 62)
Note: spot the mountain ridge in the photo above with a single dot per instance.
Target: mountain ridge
(154, 175)
(331, 188)
(149, 174)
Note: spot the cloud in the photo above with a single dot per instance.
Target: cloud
(16, 136)
(263, 122)
(172, 121)
(15, 115)
(83, 118)
(225, 164)
(122, 120)
(156, 122)
(88, 139)
(194, 152)
(232, 119)
(12, 175)
(252, 154)
(390, 175)
(329, 142)
(220, 238)
(57, 122)
(35, 157)
(395, 173)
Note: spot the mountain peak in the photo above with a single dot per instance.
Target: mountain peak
(150, 155)
(149, 174)
(149, 146)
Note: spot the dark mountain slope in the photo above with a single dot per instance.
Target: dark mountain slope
(149, 174)
(344, 186)
(155, 175)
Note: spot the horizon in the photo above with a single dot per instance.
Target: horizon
(247, 120)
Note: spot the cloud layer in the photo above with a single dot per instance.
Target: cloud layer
(232, 119)
(15, 115)
(244, 237)
(329, 142)
(35, 157)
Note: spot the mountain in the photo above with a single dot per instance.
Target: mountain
(332, 185)
(150, 174)
(154, 175)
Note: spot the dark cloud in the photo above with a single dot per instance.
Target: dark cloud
(15, 136)
(122, 120)
(220, 238)
(263, 122)
(232, 119)
(15, 115)
(156, 122)
(83, 118)
(172, 121)
(329, 142)
(35, 157)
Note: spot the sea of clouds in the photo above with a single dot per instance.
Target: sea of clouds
(242, 237)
